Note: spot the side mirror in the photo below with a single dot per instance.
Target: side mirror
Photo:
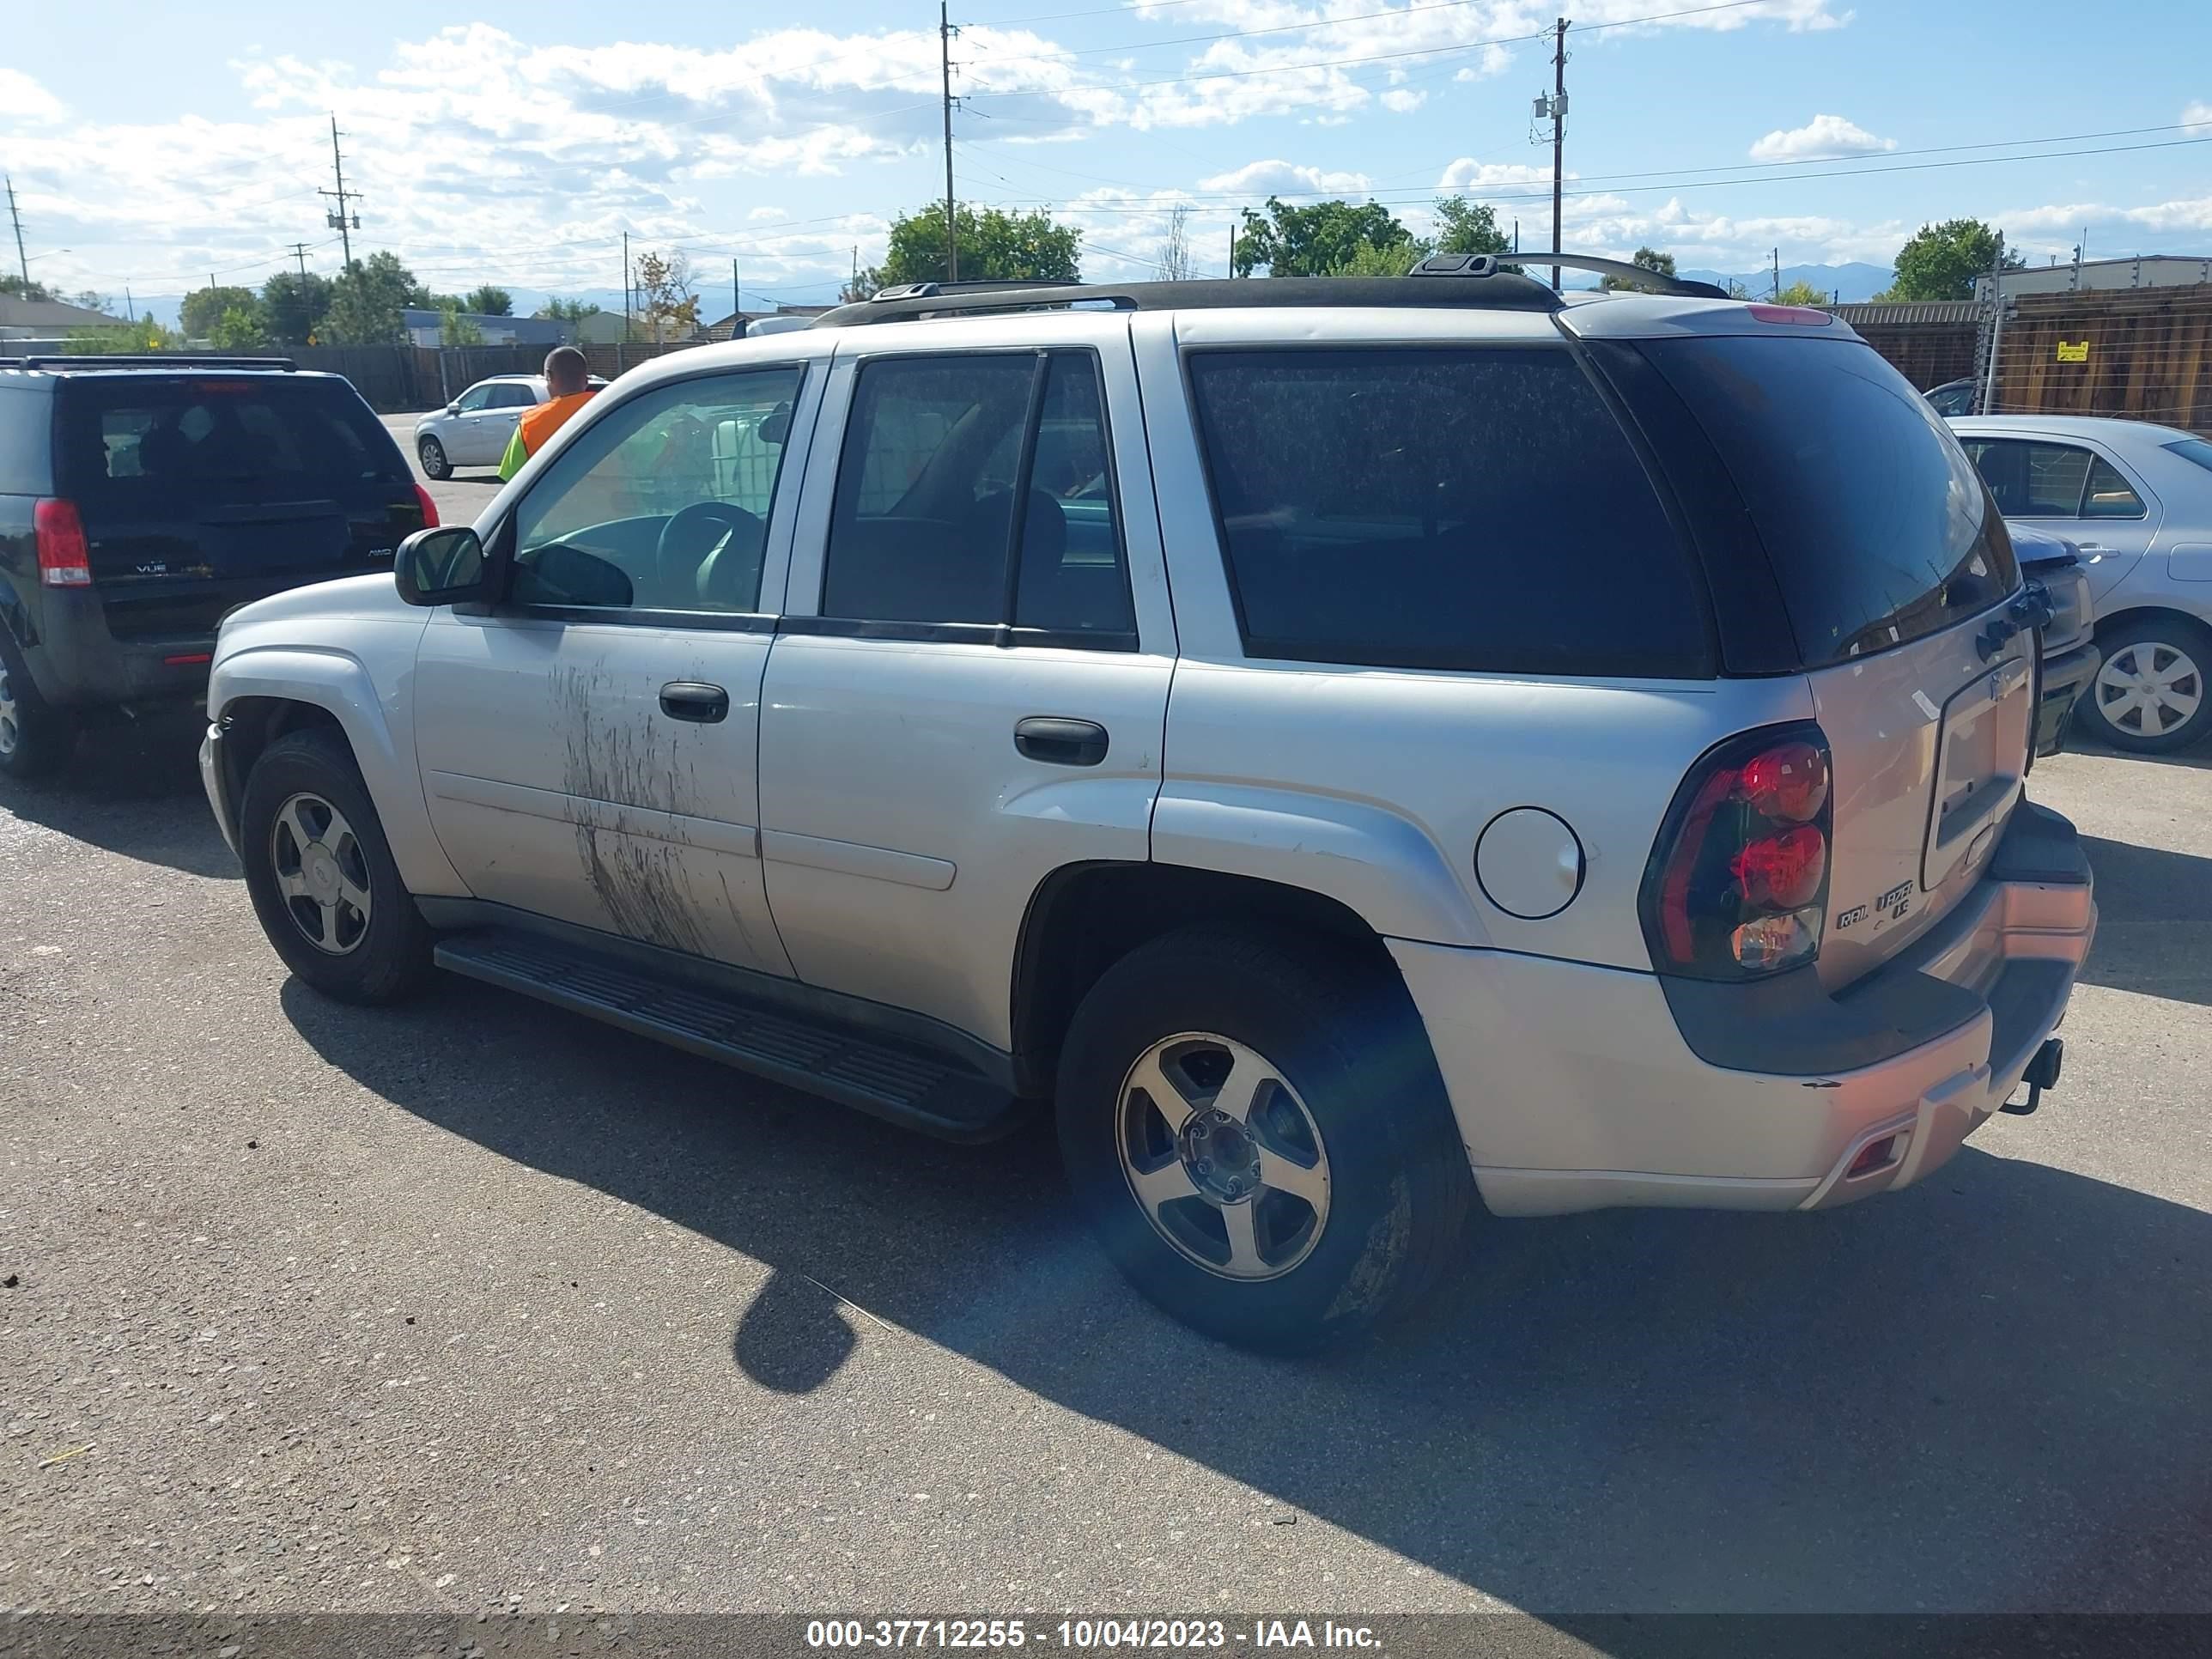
(442, 565)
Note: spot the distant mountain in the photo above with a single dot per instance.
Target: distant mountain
(1853, 281)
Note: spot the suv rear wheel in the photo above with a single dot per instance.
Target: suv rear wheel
(321, 875)
(2150, 694)
(434, 463)
(35, 737)
(1260, 1137)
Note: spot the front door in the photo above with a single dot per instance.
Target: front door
(588, 746)
(979, 697)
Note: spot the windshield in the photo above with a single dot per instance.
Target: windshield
(1878, 527)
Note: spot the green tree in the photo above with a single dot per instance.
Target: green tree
(293, 306)
(1649, 257)
(204, 308)
(1313, 241)
(1368, 260)
(457, 328)
(1465, 227)
(565, 311)
(145, 335)
(1940, 262)
(664, 289)
(994, 246)
(366, 301)
(1802, 293)
(23, 287)
(237, 329)
(488, 301)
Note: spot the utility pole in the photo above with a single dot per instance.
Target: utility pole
(1997, 326)
(344, 222)
(129, 308)
(736, 303)
(22, 264)
(1232, 247)
(945, 32)
(626, 288)
(1558, 134)
(300, 252)
(1777, 273)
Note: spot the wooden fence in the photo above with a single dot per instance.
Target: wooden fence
(2137, 354)
(402, 380)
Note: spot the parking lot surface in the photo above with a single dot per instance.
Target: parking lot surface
(472, 1304)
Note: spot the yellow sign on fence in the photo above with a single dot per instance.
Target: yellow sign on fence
(2073, 351)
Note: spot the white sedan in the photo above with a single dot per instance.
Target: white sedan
(2136, 500)
(473, 430)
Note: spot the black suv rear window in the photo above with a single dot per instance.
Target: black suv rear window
(129, 439)
(1454, 509)
(1878, 527)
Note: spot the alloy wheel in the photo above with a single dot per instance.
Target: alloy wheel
(1223, 1156)
(322, 873)
(11, 730)
(2148, 687)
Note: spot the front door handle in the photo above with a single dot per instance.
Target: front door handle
(1059, 741)
(688, 700)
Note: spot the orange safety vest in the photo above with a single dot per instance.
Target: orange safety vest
(548, 418)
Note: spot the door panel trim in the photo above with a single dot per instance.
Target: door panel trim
(738, 840)
(847, 857)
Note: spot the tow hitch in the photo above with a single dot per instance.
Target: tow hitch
(2042, 1073)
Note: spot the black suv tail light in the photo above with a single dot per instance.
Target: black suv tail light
(1738, 883)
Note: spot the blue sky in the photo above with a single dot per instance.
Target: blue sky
(517, 148)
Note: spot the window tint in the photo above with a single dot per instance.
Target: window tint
(2109, 494)
(2031, 480)
(923, 526)
(475, 398)
(1469, 509)
(510, 395)
(663, 505)
(133, 443)
(1876, 524)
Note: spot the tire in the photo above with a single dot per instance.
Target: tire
(35, 737)
(1347, 1087)
(435, 464)
(2154, 677)
(305, 793)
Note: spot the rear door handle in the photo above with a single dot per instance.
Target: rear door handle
(688, 700)
(1059, 741)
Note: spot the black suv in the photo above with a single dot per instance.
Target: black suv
(141, 498)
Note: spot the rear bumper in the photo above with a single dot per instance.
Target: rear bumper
(78, 664)
(2066, 679)
(1575, 1088)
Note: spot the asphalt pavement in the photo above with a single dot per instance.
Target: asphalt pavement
(471, 1305)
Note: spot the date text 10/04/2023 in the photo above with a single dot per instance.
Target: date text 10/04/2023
(1087, 1635)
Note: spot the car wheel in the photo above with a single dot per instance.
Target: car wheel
(2150, 692)
(435, 464)
(321, 875)
(1260, 1137)
(35, 737)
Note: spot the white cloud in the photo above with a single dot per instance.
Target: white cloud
(2198, 114)
(1822, 135)
(1257, 178)
(760, 213)
(26, 101)
(1467, 173)
(1400, 101)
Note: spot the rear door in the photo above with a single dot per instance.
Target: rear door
(199, 492)
(2073, 488)
(1892, 564)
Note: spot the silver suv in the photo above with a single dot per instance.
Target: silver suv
(1366, 751)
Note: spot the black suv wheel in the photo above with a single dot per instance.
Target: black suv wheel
(1262, 1139)
(321, 875)
(35, 737)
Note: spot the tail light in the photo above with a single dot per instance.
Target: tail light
(430, 508)
(1738, 882)
(63, 559)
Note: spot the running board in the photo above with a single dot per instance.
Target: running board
(901, 1085)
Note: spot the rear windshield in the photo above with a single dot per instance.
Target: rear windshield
(130, 442)
(1441, 508)
(1878, 527)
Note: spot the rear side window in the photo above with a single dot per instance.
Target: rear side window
(135, 443)
(26, 441)
(1474, 509)
(1876, 524)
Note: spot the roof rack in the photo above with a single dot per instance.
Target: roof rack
(144, 360)
(1620, 270)
(1496, 290)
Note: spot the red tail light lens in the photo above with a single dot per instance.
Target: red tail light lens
(64, 561)
(430, 508)
(1738, 882)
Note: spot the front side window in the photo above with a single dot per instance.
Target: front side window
(664, 504)
(1450, 509)
(937, 519)
(475, 398)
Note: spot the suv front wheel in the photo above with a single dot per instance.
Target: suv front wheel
(321, 874)
(1260, 1137)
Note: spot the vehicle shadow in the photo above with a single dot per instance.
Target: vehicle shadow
(1985, 1392)
(2197, 757)
(2153, 920)
(133, 788)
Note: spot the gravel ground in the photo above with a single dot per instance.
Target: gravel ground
(473, 1305)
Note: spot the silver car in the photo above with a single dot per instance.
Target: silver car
(473, 430)
(2136, 501)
